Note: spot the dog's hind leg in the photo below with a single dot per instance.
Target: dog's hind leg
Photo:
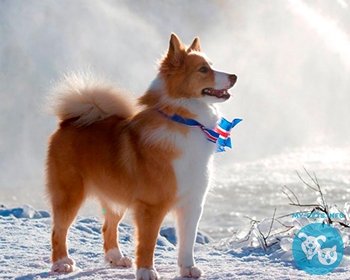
(148, 219)
(66, 199)
(113, 255)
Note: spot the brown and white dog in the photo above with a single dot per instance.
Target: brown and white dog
(134, 156)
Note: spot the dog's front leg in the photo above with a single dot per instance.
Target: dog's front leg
(188, 216)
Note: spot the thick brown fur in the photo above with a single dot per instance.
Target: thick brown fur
(107, 159)
(107, 148)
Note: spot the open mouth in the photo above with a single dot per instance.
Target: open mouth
(222, 93)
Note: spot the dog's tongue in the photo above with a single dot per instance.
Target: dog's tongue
(217, 93)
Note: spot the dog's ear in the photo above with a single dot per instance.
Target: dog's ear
(176, 50)
(195, 46)
(302, 235)
(321, 237)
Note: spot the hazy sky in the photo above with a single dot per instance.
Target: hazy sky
(292, 59)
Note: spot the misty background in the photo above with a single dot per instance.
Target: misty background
(292, 59)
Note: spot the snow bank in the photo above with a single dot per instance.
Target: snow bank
(25, 252)
(23, 212)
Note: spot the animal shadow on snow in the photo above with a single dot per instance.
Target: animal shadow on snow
(103, 272)
(98, 273)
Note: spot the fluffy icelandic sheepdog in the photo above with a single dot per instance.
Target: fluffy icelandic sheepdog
(141, 156)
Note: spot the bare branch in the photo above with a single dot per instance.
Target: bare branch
(252, 221)
(273, 219)
(291, 201)
(306, 183)
(294, 201)
(343, 224)
(304, 205)
(292, 194)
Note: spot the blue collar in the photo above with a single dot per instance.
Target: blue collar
(220, 134)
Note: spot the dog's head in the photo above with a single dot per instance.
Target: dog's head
(187, 73)
(311, 242)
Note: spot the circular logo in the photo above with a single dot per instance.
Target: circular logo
(318, 248)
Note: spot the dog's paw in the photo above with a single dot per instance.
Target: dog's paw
(115, 258)
(147, 274)
(190, 272)
(63, 265)
(122, 262)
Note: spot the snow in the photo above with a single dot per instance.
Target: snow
(25, 252)
(235, 249)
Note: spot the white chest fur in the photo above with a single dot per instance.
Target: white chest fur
(194, 168)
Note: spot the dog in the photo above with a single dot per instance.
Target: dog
(136, 156)
(311, 244)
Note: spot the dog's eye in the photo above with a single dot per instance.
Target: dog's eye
(204, 69)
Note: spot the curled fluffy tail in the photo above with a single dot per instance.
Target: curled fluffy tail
(88, 99)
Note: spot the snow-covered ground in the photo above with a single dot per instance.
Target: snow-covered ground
(25, 253)
(251, 189)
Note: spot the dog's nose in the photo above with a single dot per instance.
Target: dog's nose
(233, 79)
